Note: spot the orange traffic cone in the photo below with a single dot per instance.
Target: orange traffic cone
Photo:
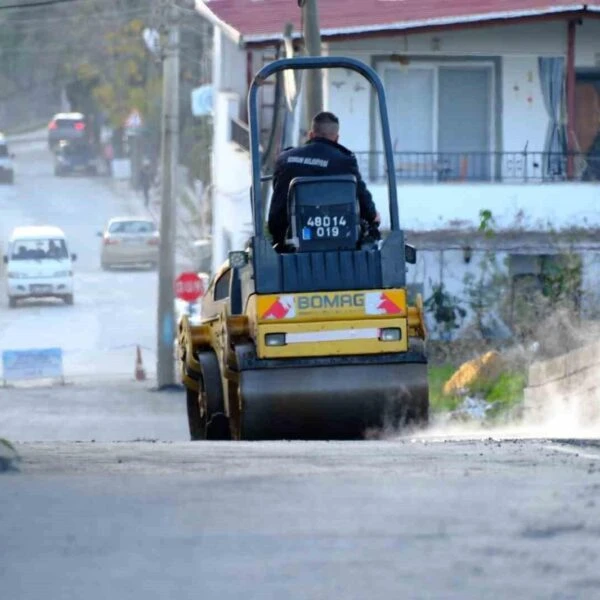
(140, 373)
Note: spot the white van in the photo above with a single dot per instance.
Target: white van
(38, 265)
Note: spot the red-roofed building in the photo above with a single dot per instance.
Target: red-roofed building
(258, 22)
(487, 95)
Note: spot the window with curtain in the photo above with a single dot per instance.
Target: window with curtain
(552, 83)
(441, 119)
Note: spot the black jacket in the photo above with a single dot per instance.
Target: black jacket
(318, 156)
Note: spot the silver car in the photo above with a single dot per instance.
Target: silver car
(129, 241)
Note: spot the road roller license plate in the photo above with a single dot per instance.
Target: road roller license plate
(326, 222)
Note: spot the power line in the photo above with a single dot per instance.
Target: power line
(35, 4)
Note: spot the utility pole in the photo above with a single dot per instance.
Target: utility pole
(165, 368)
(312, 43)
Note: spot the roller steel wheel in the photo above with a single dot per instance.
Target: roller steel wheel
(196, 419)
(206, 408)
(335, 402)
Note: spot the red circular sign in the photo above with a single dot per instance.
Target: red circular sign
(188, 287)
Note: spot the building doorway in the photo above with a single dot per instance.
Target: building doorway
(587, 124)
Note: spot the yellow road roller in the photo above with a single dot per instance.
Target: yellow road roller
(319, 341)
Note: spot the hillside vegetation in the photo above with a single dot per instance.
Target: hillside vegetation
(90, 56)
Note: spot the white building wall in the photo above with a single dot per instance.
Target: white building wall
(519, 46)
(524, 117)
(448, 267)
(545, 38)
(422, 206)
(524, 123)
(231, 179)
(229, 65)
(591, 284)
(427, 207)
(348, 95)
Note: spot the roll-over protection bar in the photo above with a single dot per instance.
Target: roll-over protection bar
(317, 62)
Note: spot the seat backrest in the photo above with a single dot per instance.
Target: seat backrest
(324, 213)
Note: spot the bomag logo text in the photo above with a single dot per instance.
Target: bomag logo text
(325, 302)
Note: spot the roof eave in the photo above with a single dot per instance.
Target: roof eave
(233, 34)
(425, 24)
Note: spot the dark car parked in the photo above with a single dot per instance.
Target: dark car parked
(7, 169)
(68, 127)
(72, 157)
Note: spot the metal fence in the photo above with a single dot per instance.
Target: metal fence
(472, 167)
(509, 167)
(240, 134)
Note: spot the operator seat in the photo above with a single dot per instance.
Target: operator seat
(323, 213)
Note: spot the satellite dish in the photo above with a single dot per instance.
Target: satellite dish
(202, 100)
(152, 40)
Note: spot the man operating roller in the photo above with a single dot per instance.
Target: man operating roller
(321, 155)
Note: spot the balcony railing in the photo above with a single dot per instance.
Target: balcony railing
(509, 167)
(240, 134)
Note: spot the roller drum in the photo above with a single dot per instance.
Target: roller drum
(331, 402)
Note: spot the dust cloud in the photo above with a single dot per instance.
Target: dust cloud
(566, 409)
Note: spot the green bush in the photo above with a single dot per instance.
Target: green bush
(504, 392)
(438, 375)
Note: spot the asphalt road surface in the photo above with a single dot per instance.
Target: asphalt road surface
(140, 513)
(110, 500)
(113, 311)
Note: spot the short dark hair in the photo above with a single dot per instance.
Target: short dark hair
(325, 124)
